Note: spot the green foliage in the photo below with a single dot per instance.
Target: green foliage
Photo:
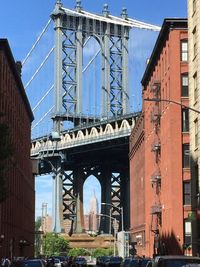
(54, 245)
(38, 236)
(102, 252)
(5, 153)
(75, 252)
(38, 223)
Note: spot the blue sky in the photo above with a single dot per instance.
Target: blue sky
(22, 21)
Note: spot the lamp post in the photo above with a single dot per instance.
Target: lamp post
(171, 101)
(115, 229)
(122, 215)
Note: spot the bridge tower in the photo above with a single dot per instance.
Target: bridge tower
(72, 29)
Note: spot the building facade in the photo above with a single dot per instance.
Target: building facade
(194, 98)
(159, 149)
(91, 220)
(17, 209)
(137, 185)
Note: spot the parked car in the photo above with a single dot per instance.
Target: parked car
(114, 261)
(173, 261)
(103, 260)
(133, 262)
(28, 263)
(79, 261)
(126, 262)
(61, 261)
(143, 262)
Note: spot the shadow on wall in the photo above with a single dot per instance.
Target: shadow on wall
(170, 245)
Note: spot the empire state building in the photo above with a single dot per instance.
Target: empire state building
(92, 218)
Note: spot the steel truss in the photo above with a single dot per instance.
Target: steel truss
(113, 41)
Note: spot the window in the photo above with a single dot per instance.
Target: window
(187, 193)
(185, 120)
(184, 85)
(184, 50)
(188, 232)
(196, 133)
(195, 86)
(186, 156)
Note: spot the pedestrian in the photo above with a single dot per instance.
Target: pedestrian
(6, 262)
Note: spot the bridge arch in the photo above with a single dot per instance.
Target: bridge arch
(92, 76)
(125, 125)
(109, 129)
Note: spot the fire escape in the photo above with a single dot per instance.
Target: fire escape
(156, 207)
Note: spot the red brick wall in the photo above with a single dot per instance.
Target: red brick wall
(17, 211)
(137, 199)
(169, 194)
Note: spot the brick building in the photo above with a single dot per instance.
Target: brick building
(159, 150)
(194, 98)
(17, 210)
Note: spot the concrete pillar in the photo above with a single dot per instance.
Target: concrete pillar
(106, 73)
(105, 198)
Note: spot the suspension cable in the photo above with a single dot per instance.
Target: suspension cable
(36, 42)
(43, 117)
(49, 90)
(112, 19)
(43, 97)
(90, 62)
(39, 68)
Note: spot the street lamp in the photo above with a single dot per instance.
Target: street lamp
(171, 101)
(115, 229)
(122, 215)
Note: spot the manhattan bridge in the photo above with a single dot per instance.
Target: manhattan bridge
(82, 110)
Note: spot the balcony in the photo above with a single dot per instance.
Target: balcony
(156, 209)
(155, 87)
(156, 177)
(155, 147)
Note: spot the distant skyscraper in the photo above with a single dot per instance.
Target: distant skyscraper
(92, 218)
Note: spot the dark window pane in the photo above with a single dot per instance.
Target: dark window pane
(184, 85)
(187, 193)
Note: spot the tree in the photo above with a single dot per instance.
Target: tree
(75, 252)
(38, 236)
(102, 252)
(54, 245)
(5, 153)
